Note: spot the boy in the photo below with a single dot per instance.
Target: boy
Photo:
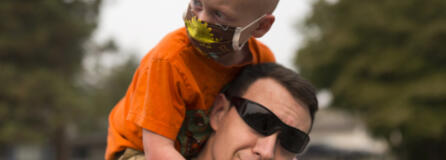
(164, 112)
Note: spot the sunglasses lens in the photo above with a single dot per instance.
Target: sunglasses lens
(293, 140)
(260, 119)
(256, 116)
(266, 123)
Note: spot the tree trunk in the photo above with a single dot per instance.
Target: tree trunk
(61, 144)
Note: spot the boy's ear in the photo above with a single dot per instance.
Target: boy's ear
(264, 26)
(219, 110)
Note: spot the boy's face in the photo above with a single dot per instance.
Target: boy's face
(232, 23)
(236, 13)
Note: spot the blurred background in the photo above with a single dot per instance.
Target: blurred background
(379, 66)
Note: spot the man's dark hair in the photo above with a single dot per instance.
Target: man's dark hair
(300, 89)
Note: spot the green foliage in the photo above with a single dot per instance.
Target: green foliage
(385, 60)
(41, 52)
(34, 102)
(46, 33)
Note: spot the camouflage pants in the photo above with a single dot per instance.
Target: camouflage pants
(132, 154)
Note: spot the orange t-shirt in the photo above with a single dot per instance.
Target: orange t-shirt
(172, 79)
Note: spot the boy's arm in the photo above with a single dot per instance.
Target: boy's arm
(159, 147)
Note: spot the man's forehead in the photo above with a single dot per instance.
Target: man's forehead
(276, 98)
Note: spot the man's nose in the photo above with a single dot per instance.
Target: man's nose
(265, 146)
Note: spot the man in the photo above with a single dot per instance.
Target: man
(266, 113)
(178, 80)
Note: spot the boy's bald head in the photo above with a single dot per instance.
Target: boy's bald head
(259, 7)
(268, 5)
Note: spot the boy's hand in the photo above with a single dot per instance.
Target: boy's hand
(159, 147)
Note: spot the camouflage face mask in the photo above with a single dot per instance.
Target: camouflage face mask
(215, 40)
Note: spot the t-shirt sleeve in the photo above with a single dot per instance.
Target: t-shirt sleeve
(268, 57)
(263, 53)
(156, 103)
(266, 54)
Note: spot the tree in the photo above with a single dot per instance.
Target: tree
(384, 60)
(41, 52)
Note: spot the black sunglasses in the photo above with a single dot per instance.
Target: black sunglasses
(262, 120)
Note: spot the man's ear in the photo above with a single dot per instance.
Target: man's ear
(264, 26)
(219, 110)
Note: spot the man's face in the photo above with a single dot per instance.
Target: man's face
(234, 139)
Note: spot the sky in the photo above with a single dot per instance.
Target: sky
(138, 25)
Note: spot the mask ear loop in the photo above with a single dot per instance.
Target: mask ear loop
(238, 32)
